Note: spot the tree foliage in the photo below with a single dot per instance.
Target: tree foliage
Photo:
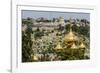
(27, 44)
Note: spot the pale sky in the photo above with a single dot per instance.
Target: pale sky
(53, 14)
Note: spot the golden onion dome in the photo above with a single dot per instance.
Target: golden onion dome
(58, 47)
(70, 37)
(35, 57)
(82, 45)
(74, 46)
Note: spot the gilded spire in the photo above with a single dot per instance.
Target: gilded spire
(74, 46)
(70, 25)
(58, 47)
(82, 45)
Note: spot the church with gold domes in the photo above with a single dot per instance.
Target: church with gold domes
(72, 47)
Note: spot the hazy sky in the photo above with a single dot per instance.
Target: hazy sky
(52, 14)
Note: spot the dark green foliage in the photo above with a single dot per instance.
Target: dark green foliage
(38, 34)
(75, 28)
(27, 44)
(84, 31)
(67, 27)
